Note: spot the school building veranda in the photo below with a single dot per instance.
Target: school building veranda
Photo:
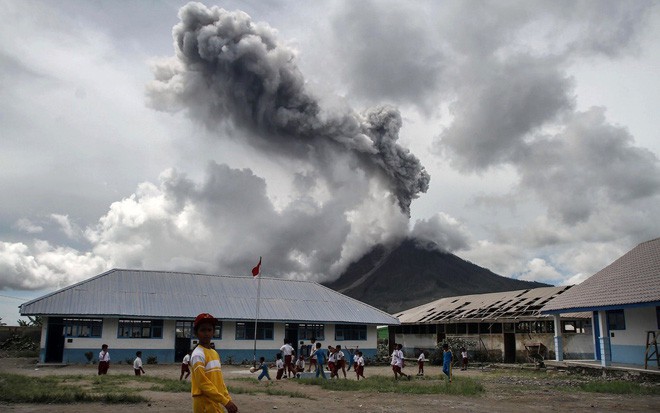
(504, 327)
(152, 311)
(611, 318)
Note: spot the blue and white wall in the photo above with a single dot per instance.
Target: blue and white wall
(629, 346)
(231, 350)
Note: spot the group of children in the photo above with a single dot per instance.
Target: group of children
(104, 362)
(447, 360)
(208, 386)
(336, 360)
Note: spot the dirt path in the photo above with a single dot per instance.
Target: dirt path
(505, 392)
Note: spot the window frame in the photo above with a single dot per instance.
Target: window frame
(355, 332)
(616, 320)
(264, 330)
(307, 331)
(136, 328)
(78, 324)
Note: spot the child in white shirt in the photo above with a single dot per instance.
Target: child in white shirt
(279, 364)
(359, 365)
(420, 364)
(137, 364)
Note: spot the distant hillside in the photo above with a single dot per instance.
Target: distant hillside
(407, 275)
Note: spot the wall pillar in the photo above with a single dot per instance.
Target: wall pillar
(604, 340)
(559, 340)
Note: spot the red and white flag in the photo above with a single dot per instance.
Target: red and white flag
(255, 270)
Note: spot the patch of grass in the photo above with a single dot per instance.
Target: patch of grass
(293, 394)
(123, 399)
(169, 385)
(618, 387)
(16, 388)
(464, 386)
(240, 390)
(247, 379)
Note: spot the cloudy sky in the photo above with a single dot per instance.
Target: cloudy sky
(521, 136)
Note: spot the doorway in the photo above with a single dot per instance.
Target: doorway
(291, 334)
(509, 347)
(183, 334)
(54, 340)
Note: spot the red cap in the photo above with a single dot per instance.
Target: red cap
(204, 317)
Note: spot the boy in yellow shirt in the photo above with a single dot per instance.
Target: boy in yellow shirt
(209, 391)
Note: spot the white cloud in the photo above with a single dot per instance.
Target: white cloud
(26, 225)
(44, 266)
(539, 270)
(69, 229)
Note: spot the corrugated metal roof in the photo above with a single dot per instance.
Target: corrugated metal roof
(634, 278)
(162, 294)
(501, 306)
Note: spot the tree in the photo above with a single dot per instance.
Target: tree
(33, 321)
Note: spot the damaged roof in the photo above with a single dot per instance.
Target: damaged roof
(501, 306)
(632, 279)
(164, 294)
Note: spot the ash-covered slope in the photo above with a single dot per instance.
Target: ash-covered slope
(407, 275)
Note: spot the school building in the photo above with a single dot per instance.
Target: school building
(153, 311)
(623, 300)
(503, 326)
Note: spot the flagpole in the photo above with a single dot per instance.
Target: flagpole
(256, 318)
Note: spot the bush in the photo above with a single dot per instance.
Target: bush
(152, 360)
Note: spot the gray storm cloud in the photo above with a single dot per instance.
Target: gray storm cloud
(228, 68)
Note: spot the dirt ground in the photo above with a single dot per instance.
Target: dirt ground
(505, 392)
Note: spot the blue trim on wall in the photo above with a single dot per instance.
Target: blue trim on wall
(77, 355)
(603, 308)
(238, 356)
(596, 334)
(166, 356)
(628, 354)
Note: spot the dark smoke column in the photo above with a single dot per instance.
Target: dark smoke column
(228, 68)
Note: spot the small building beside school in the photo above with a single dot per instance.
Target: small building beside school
(623, 300)
(504, 326)
(153, 311)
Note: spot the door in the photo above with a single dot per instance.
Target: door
(509, 347)
(55, 340)
(291, 334)
(183, 334)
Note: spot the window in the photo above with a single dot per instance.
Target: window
(490, 328)
(245, 331)
(522, 327)
(657, 315)
(573, 326)
(350, 332)
(184, 329)
(83, 327)
(473, 328)
(310, 331)
(140, 329)
(616, 320)
(542, 326)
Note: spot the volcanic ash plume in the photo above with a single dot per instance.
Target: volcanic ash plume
(228, 68)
